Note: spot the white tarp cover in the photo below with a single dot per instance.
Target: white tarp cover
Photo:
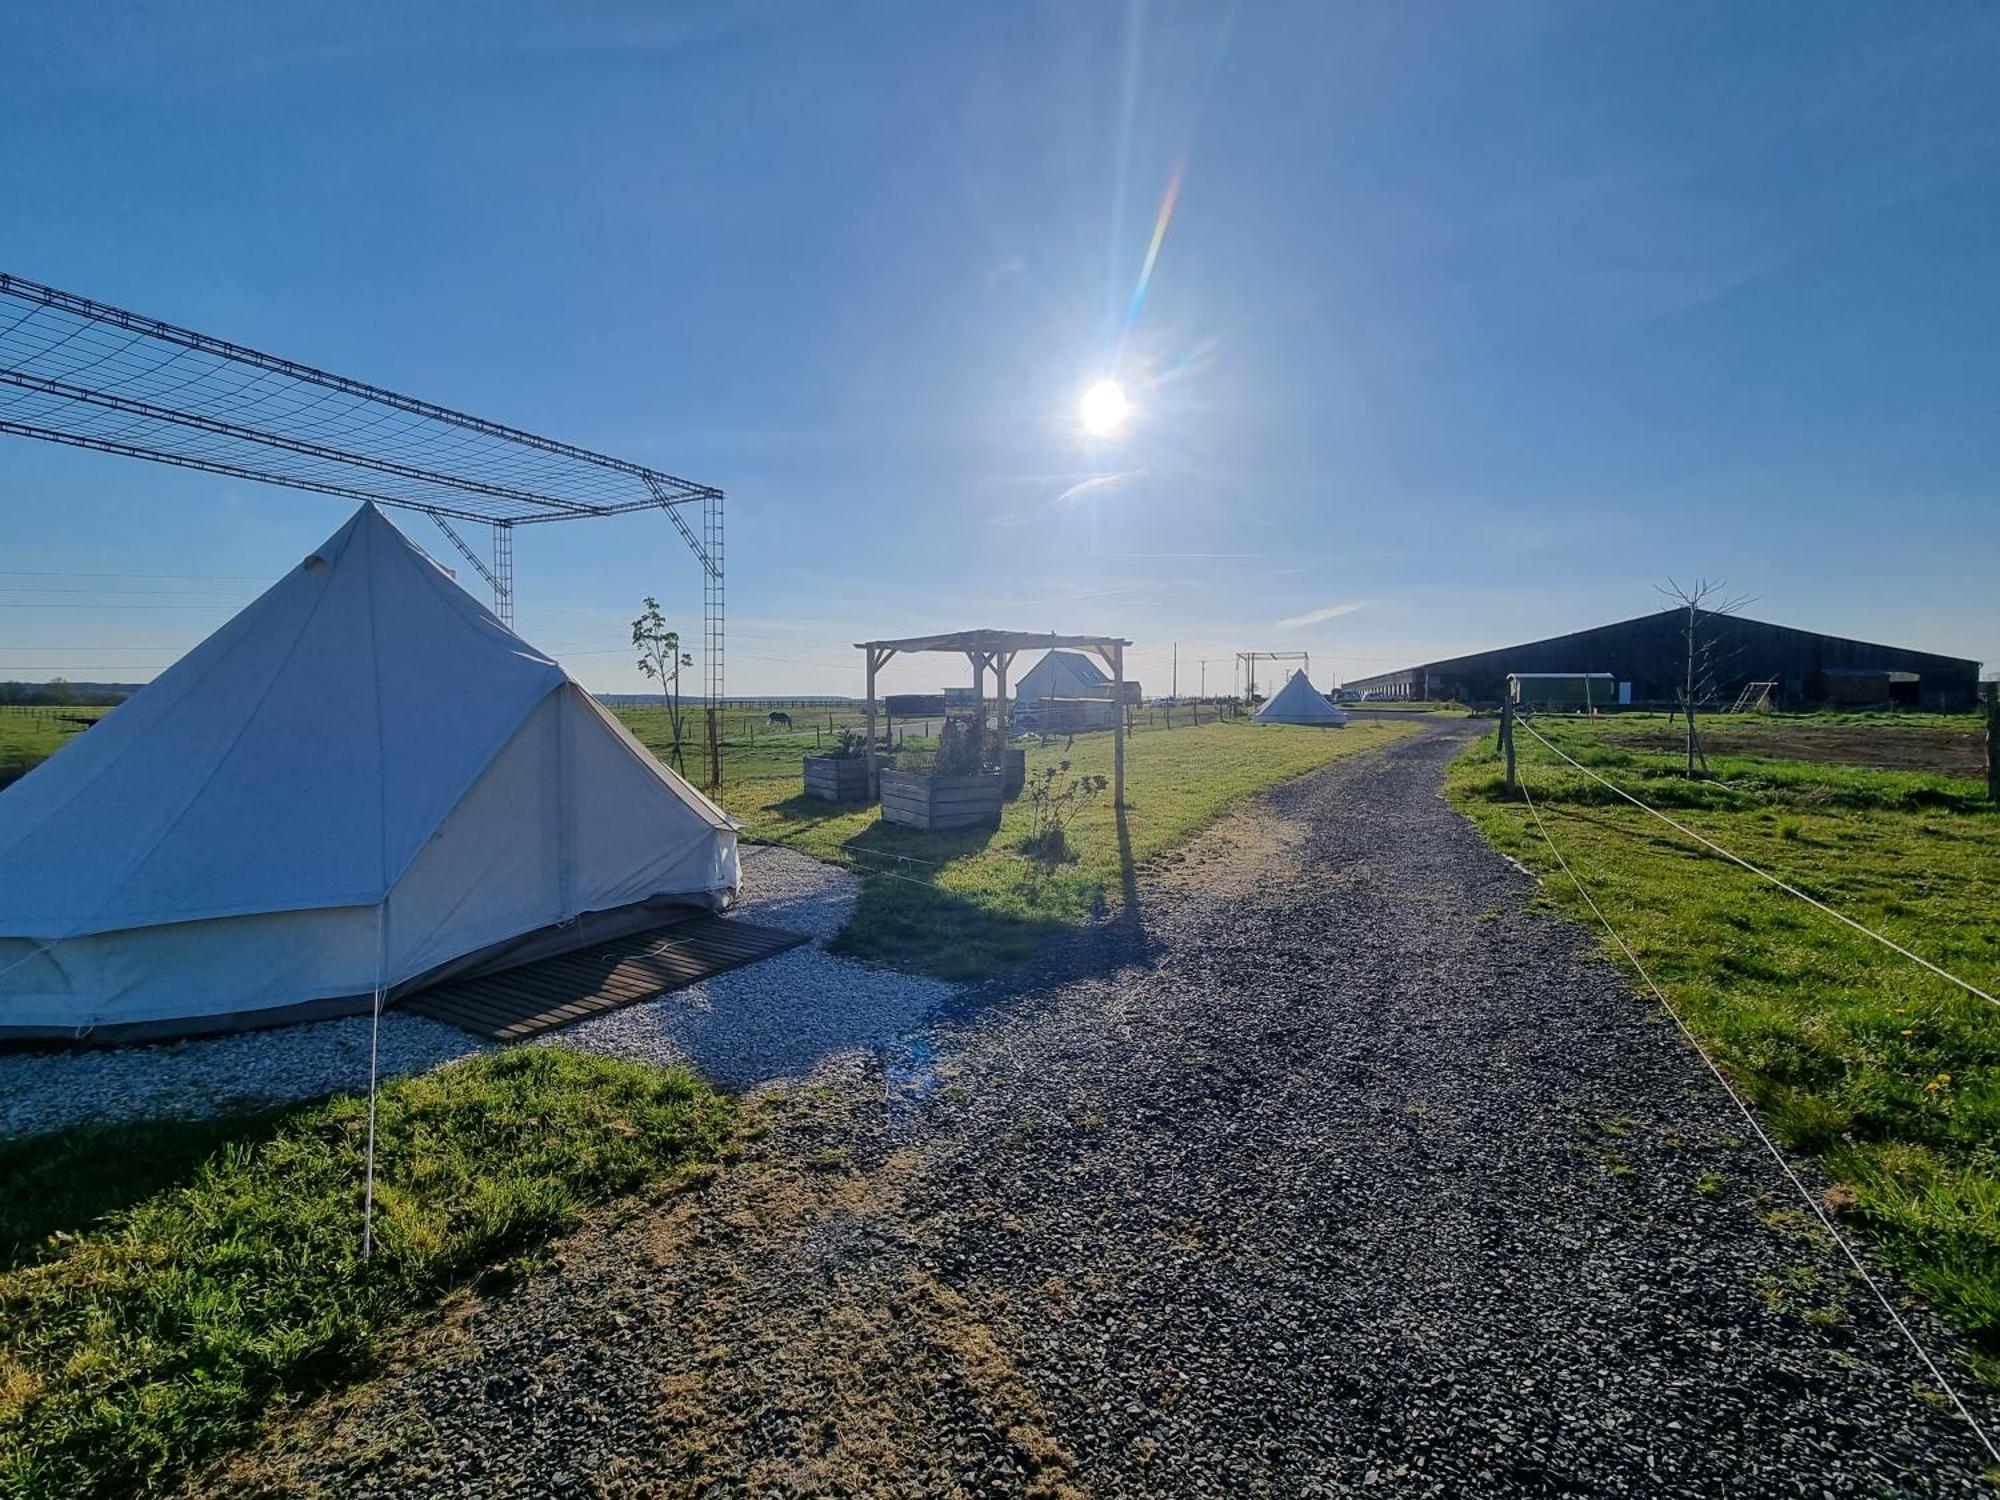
(1299, 702)
(364, 770)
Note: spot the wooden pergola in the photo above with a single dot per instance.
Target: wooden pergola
(997, 649)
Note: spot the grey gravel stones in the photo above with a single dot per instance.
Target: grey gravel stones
(1310, 1184)
(771, 1020)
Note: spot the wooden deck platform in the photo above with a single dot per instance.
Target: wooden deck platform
(549, 992)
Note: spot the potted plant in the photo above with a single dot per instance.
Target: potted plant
(841, 774)
(955, 786)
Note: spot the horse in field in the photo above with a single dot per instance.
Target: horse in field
(781, 718)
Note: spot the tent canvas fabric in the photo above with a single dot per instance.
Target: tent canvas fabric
(362, 778)
(1299, 702)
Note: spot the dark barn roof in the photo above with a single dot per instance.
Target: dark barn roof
(1649, 652)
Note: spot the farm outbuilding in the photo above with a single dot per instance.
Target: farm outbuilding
(1062, 674)
(1650, 653)
(361, 784)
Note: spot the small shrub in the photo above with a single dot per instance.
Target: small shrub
(1052, 805)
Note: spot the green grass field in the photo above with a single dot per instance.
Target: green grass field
(29, 736)
(1414, 706)
(752, 749)
(961, 905)
(1890, 1076)
(163, 1286)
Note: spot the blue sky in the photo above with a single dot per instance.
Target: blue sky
(1470, 324)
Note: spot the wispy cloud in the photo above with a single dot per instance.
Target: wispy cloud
(1320, 616)
(1097, 482)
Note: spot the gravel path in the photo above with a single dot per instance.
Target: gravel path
(1333, 1166)
(772, 1020)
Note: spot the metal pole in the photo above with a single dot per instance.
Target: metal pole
(503, 572)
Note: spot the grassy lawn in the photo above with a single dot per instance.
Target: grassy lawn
(1890, 1076)
(162, 1286)
(964, 904)
(29, 736)
(752, 749)
(1411, 706)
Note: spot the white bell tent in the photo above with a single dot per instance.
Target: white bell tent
(360, 784)
(1299, 702)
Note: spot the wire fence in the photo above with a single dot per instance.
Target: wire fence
(1812, 1202)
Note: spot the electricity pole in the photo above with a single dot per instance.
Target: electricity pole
(1177, 669)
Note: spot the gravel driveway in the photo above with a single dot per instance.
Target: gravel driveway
(1332, 1166)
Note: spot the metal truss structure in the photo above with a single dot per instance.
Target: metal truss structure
(94, 376)
(1246, 662)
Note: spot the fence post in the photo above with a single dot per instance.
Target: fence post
(1507, 741)
(1993, 741)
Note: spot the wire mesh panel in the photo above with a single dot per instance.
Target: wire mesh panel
(85, 373)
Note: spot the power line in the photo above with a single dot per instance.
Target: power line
(1750, 1118)
(204, 577)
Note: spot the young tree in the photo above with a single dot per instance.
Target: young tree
(661, 659)
(1705, 600)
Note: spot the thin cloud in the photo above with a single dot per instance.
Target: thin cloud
(1095, 483)
(1320, 616)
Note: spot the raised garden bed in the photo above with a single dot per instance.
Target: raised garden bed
(837, 778)
(919, 800)
(1013, 773)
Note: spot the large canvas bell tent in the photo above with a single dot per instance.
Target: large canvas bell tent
(362, 782)
(1299, 702)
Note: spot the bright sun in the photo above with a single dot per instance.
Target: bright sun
(1104, 408)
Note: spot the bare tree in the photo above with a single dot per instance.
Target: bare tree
(661, 659)
(1704, 600)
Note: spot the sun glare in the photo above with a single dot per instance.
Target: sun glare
(1104, 408)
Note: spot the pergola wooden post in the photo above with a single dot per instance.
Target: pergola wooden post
(1117, 655)
(1003, 709)
(997, 649)
(878, 657)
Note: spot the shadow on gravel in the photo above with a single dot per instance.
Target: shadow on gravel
(1131, 915)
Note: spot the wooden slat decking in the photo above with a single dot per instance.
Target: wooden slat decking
(550, 992)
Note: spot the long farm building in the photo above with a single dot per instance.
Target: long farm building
(1649, 654)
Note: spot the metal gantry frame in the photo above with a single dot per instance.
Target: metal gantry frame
(1246, 662)
(85, 373)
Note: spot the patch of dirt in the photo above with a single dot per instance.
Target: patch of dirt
(778, 1331)
(1948, 752)
(1248, 848)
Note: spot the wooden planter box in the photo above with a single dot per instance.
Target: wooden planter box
(933, 802)
(837, 778)
(1013, 773)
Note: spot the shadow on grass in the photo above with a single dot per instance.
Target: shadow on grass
(67, 1181)
(905, 919)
